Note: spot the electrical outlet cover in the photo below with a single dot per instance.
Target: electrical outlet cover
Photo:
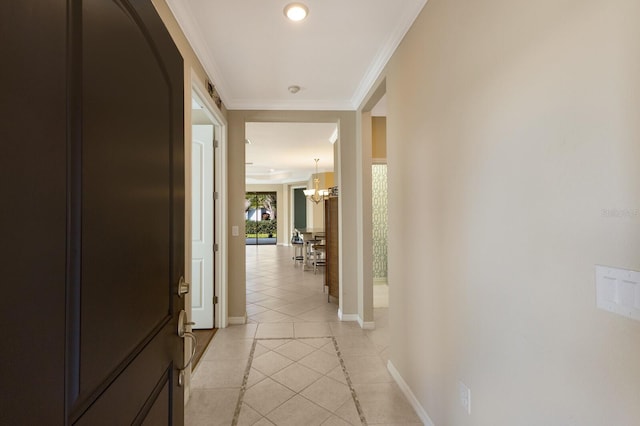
(465, 397)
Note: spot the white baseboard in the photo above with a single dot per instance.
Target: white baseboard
(238, 320)
(406, 390)
(347, 317)
(366, 325)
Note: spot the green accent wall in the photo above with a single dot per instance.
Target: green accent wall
(299, 209)
(379, 216)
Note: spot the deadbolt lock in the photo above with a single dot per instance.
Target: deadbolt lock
(183, 287)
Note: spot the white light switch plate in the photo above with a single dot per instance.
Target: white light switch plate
(235, 230)
(618, 291)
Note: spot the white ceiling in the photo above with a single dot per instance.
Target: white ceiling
(284, 152)
(252, 54)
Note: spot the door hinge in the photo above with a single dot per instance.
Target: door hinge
(215, 300)
(215, 143)
(215, 195)
(215, 247)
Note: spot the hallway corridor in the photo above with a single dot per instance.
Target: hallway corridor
(295, 363)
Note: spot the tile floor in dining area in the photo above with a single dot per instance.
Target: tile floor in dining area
(294, 362)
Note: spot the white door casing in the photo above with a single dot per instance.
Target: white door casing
(202, 226)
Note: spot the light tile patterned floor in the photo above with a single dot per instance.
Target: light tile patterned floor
(295, 363)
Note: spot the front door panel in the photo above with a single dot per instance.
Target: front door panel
(93, 214)
(132, 216)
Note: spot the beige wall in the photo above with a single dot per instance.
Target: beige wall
(235, 212)
(379, 135)
(346, 149)
(365, 222)
(512, 126)
(194, 75)
(193, 69)
(367, 142)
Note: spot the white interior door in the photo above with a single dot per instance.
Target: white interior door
(202, 226)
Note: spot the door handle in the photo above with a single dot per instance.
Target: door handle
(183, 286)
(182, 332)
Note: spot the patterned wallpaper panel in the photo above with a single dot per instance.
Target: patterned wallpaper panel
(379, 212)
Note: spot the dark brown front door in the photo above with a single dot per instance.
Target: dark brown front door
(92, 132)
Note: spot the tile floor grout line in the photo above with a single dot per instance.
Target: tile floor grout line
(245, 379)
(349, 383)
(292, 338)
(276, 294)
(243, 388)
(295, 393)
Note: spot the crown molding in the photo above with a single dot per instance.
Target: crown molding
(182, 12)
(384, 54)
(280, 105)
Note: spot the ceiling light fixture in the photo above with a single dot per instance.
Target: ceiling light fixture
(296, 11)
(316, 195)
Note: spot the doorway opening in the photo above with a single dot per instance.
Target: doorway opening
(261, 217)
(379, 203)
(206, 216)
(279, 166)
(202, 265)
(380, 226)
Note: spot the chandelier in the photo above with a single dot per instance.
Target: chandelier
(316, 195)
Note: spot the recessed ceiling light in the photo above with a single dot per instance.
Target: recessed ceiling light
(293, 89)
(296, 11)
